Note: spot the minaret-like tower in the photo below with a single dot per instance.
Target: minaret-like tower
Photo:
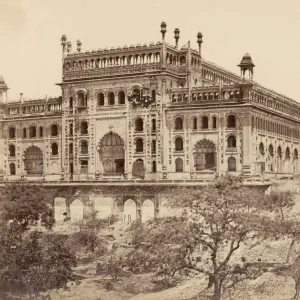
(176, 36)
(246, 64)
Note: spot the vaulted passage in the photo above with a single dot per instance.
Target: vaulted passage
(33, 161)
(112, 154)
(205, 155)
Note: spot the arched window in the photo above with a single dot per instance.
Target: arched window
(12, 169)
(139, 145)
(32, 132)
(178, 165)
(214, 122)
(261, 149)
(12, 151)
(231, 121)
(111, 98)
(139, 126)
(71, 149)
(71, 129)
(182, 61)
(153, 121)
(24, 133)
(205, 122)
(121, 97)
(154, 166)
(54, 130)
(231, 164)
(178, 123)
(100, 99)
(54, 149)
(84, 147)
(178, 144)
(231, 141)
(195, 125)
(153, 146)
(71, 103)
(41, 131)
(84, 166)
(81, 99)
(84, 127)
(11, 132)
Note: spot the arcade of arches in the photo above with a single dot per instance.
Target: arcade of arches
(127, 208)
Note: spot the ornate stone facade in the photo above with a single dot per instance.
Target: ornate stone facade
(204, 120)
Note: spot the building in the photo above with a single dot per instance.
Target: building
(155, 111)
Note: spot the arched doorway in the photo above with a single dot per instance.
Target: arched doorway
(76, 209)
(33, 161)
(148, 210)
(205, 155)
(112, 154)
(59, 209)
(138, 169)
(129, 214)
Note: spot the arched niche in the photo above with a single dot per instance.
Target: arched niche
(76, 210)
(33, 161)
(148, 210)
(205, 155)
(129, 214)
(112, 154)
(59, 209)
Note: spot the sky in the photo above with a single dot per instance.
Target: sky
(30, 32)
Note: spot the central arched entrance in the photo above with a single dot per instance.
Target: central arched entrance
(112, 154)
(205, 155)
(33, 161)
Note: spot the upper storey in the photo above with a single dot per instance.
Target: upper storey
(133, 60)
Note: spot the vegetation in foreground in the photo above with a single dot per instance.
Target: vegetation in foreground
(205, 239)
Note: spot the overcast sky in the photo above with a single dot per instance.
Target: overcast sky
(30, 32)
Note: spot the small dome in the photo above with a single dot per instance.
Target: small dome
(88, 51)
(111, 139)
(94, 51)
(152, 44)
(246, 61)
(112, 49)
(131, 47)
(145, 46)
(119, 48)
(125, 47)
(138, 45)
(158, 43)
(100, 50)
(106, 50)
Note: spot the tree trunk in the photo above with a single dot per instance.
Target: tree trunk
(217, 289)
(290, 251)
(297, 287)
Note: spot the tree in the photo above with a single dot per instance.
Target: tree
(219, 217)
(25, 205)
(35, 263)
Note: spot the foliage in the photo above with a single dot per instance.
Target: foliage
(220, 217)
(25, 205)
(35, 263)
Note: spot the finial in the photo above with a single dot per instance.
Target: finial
(69, 46)
(63, 40)
(199, 41)
(79, 44)
(110, 127)
(176, 36)
(163, 29)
